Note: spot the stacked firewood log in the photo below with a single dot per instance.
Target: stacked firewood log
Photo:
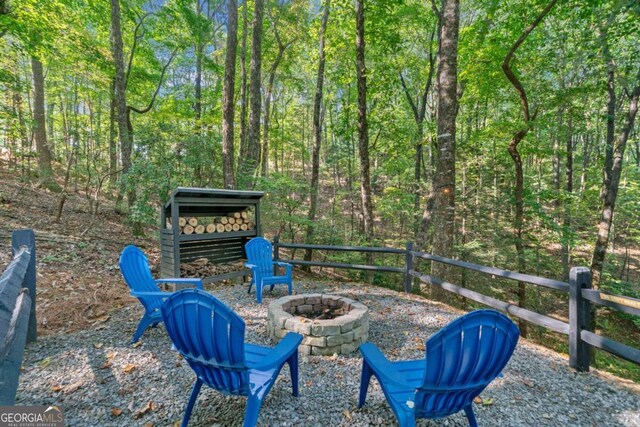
(236, 221)
(202, 267)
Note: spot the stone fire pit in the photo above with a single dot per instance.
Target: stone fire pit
(329, 323)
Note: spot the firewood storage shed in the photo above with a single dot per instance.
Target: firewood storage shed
(210, 226)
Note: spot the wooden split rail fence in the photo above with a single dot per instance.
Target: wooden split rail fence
(581, 296)
(17, 312)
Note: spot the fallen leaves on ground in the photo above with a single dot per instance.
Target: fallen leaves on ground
(146, 408)
(116, 412)
(129, 367)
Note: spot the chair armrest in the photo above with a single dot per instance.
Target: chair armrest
(282, 264)
(151, 294)
(383, 369)
(197, 282)
(288, 266)
(280, 353)
(251, 266)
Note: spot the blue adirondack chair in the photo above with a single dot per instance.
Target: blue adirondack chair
(259, 256)
(461, 360)
(135, 270)
(210, 336)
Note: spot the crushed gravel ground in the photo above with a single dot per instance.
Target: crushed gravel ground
(100, 379)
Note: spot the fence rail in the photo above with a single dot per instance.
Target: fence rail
(581, 296)
(17, 312)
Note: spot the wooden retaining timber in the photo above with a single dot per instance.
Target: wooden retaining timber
(17, 312)
(581, 296)
(218, 223)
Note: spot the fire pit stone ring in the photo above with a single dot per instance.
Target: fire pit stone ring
(330, 324)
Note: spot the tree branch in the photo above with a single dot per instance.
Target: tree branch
(136, 37)
(427, 86)
(411, 103)
(155, 94)
(436, 10)
(506, 64)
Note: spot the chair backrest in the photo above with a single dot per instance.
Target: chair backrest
(260, 253)
(134, 267)
(462, 359)
(210, 336)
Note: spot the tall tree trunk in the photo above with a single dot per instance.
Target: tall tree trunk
(243, 87)
(124, 135)
(267, 101)
(248, 164)
(45, 171)
(518, 136)
(419, 112)
(611, 111)
(363, 129)
(113, 151)
(227, 100)
(444, 183)
(611, 193)
(317, 132)
(565, 254)
(197, 105)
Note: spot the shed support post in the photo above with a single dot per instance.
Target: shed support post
(408, 267)
(26, 238)
(175, 229)
(579, 318)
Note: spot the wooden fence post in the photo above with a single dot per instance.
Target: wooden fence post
(408, 279)
(276, 251)
(21, 238)
(276, 247)
(579, 318)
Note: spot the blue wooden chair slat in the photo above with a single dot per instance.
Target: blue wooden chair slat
(134, 267)
(461, 360)
(259, 256)
(210, 337)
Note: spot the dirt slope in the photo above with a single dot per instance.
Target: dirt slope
(78, 278)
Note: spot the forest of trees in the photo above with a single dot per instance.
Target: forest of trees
(498, 132)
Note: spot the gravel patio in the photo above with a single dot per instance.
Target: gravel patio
(98, 378)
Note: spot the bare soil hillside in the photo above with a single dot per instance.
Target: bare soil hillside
(78, 278)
